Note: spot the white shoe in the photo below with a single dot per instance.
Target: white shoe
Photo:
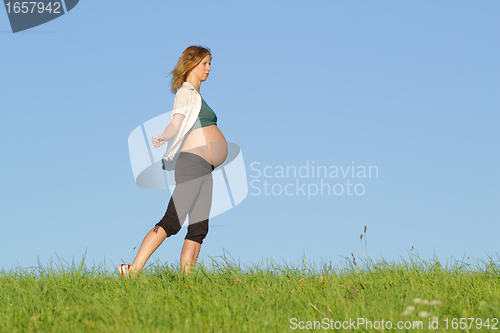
(124, 270)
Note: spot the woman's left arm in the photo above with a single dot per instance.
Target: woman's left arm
(170, 131)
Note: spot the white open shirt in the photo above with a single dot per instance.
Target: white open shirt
(188, 103)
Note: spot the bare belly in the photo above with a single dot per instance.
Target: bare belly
(207, 142)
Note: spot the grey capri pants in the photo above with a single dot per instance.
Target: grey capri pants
(192, 195)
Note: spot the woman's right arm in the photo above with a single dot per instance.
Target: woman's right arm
(170, 131)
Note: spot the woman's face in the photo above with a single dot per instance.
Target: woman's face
(202, 70)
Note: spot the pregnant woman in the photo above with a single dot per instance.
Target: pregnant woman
(196, 147)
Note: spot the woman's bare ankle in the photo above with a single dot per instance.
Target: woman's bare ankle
(134, 271)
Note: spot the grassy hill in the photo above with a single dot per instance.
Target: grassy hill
(412, 295)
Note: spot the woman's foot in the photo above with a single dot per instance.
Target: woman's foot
(124, 270)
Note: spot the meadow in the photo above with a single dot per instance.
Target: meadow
(412, 295)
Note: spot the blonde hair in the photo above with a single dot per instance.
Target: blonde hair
(189, 59)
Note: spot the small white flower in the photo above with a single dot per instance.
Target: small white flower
(426, 302)
(410, 308)
(435, 302)
(417, 300)
(406, 313)
(423, 314)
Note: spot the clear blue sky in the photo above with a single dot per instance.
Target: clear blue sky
(412, 88)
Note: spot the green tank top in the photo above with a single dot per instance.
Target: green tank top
(207, 116)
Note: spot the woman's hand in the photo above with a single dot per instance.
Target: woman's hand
(158, 140)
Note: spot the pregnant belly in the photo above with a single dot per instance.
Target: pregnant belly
(207, 142)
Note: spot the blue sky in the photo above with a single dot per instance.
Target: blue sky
(411, 88)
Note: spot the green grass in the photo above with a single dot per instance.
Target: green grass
(223, 297)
